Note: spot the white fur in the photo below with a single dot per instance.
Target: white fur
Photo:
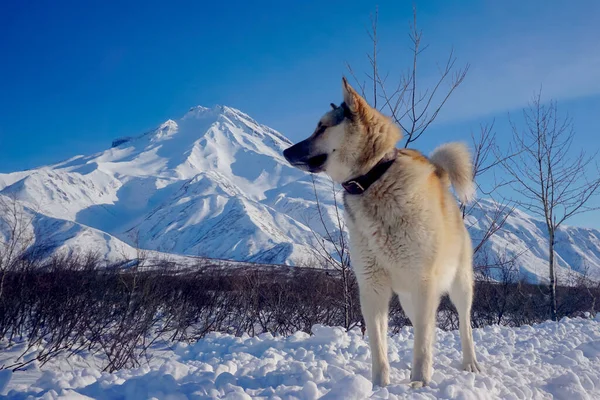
(337, 168)
(454, 158)
(400, 241)
(406, 231)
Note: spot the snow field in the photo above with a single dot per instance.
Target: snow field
(549, 360)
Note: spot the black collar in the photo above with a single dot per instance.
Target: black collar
(360, 184)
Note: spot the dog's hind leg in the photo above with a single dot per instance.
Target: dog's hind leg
(374, 302)
(461, 294)
(425, 300)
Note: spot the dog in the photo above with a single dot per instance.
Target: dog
(406, 229)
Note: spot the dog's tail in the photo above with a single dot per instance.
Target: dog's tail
(455, 159)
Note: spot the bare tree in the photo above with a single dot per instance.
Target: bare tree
(415, 108)
(408, 104)
(339, 259)
(553, 181)
(486, 157)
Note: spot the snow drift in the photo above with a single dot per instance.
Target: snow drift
(559, 360)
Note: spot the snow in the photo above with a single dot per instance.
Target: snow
(194, 186)
(559, 360)
(214, 183)
(525, 239)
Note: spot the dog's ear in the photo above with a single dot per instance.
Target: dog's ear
(333, 106)
(352, 99)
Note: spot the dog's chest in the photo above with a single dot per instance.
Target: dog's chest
(387, 231)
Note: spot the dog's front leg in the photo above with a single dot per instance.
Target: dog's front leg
(426, 300)
(374, 302)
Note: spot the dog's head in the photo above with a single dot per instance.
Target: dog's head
(348, 141)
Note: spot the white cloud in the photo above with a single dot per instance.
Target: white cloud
(506, 71)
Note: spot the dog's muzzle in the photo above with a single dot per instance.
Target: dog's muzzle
(299, 156)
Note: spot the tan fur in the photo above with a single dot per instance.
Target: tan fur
(406, 232)
(454, 159)
(377, 133)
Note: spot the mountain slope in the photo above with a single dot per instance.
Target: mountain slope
(525, 239)
(196, 186)
(214, 183)
(24, 228)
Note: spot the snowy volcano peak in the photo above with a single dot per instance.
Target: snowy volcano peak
(214, 183)
(201, 112)
(196, 185)
(216, 111)
(205, 112)
(230, 115)
(165, 131)
(220, 113)
(235, 127)
(220, 138)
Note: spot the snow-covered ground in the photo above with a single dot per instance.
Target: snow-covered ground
(550, 360)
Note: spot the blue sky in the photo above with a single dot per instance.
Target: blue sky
(75, 75)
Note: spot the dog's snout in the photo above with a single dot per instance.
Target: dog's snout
(287, 153)
(297, 152)
(301, 156)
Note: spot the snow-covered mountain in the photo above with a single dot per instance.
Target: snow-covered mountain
(209, 184)
(214, 184)
(524, 239)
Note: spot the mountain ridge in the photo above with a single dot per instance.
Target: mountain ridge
(214, 183)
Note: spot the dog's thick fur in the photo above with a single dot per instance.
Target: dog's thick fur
(406, 231)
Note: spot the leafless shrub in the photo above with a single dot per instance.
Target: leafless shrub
(16, 236)
(486, 157)
(335, 236)
(72, 304)
(552, 183)
(400, 93)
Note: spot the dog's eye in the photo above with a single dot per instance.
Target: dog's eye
(320, 130)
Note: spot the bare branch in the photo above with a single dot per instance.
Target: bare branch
(414, 109)
(550, 183)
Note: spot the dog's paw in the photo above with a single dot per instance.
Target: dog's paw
(417, 384)
(471, 366)
(419, 380)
